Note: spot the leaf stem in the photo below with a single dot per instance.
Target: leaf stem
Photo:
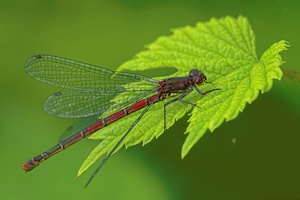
(291, 75)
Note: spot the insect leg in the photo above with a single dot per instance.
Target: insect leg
(180, 98)
(204, 93)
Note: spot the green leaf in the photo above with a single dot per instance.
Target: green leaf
(224, 49)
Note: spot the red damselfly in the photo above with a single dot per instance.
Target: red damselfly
(91, 94)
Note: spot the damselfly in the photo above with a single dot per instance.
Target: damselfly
(92, 92)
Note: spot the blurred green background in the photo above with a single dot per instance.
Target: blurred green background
(263, 164)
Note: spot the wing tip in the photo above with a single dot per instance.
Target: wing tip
(31, 59)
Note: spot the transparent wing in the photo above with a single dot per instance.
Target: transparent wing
(76, 75)
(77, 104)
(93, 87)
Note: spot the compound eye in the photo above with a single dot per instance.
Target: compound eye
(200, 79)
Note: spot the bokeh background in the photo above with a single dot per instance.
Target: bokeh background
(263, 164)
